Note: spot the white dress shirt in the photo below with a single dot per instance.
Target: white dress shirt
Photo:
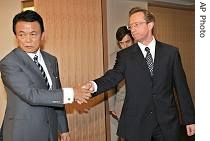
(42, 63)
(151, 46)
(68, 93)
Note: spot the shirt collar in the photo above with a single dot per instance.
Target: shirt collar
(38, 53)
(151, 45)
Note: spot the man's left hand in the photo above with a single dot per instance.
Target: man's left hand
(65, 136)
(190, 129)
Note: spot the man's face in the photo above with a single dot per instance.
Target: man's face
(139, 27)
(125, 42)
(29, 36)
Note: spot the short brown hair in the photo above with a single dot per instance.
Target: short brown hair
(148, 16)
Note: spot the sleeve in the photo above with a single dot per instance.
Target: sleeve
(112, 77)
(62, 120)
(182, 91)
(17, 81)
(68, 95)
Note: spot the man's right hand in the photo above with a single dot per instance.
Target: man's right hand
(82, 94)
(88, 86)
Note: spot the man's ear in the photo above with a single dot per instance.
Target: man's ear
(150, 25)
(42, 39)
(43, 36)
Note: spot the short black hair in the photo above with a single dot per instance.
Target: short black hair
(27, 16)
(121, 32)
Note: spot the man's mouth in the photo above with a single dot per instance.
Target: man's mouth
(28, 46)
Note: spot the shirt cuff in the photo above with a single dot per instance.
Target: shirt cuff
(68, 95)
(95, 87)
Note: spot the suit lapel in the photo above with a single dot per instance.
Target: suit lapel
(139, 57)
(29, 64)
(158, 56)
(27, 61)
(49, 66)
(47, 63)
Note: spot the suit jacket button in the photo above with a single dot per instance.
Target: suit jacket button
(47, 121)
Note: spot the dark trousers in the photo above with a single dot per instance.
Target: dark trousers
(157, 134)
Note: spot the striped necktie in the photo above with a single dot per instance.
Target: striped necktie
(149, 60)
(42, 70)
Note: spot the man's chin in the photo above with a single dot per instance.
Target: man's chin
(29, 49)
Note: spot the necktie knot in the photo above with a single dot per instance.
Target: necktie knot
(35, 58)
(147, 49)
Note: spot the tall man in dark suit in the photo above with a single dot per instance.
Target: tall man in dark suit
(149, 112)
(35, 100)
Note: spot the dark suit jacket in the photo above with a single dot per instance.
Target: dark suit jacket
(150, 99)
(33, 112)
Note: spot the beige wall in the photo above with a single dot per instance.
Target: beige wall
(7, 41)
(3, 102)
(73, 30)
(7, 11)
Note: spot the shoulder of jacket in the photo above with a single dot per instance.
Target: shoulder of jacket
(166, 46)
(9, 56)
(48, 55)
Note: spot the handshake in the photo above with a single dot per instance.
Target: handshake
(83, 93)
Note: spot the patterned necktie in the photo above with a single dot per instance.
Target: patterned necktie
(149, 60)
(42, 71)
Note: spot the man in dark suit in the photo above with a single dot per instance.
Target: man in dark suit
(149, 112)
(35, 100)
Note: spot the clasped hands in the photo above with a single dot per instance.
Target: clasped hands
(83, 93)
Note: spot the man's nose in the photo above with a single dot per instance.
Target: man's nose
(123, 45)
(28, 38)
